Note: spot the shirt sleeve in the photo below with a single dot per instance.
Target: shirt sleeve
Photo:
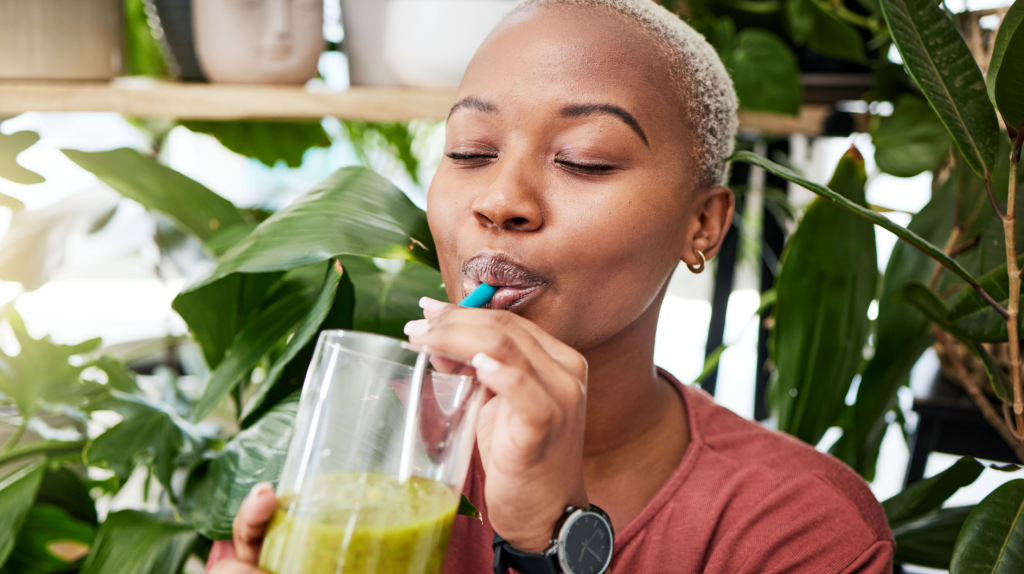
(877, 559)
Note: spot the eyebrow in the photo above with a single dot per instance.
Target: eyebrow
(581, 110)
(569, 111)
(473, 104)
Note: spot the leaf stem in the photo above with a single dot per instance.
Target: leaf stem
(992, 200)
(43, 447)
(18, 432)
(1009, 230)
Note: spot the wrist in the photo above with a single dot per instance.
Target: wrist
(537, 540)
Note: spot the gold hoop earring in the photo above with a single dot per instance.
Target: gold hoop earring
(699, 268)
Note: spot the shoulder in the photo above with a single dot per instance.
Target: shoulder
(748, 499)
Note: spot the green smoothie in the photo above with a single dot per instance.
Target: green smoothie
(361, 524)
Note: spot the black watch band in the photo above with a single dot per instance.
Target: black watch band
(505, 557)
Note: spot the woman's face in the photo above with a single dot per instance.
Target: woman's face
(568, 180)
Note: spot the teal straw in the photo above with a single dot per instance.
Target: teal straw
(479, 297)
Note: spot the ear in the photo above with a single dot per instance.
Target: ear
(713, 217)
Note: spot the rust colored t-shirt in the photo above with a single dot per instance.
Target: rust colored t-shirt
(743, 499)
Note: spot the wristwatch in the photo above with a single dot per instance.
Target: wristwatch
(582, 544)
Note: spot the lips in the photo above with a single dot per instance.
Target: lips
(516, 283)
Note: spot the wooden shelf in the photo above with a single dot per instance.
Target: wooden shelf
(144, 98)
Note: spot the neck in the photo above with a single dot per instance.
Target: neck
(626, 398)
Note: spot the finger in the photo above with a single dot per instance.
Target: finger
(231, 566)
(568, 357)
(460, 340)
(525, 395)
(250, 523)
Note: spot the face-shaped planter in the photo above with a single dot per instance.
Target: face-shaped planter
(258, 41)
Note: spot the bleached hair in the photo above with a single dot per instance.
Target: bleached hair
(702, 82)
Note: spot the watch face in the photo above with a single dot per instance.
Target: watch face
(585, 546)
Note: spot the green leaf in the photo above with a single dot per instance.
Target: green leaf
(928, 303)
(195, 208)
(254, 340)
(466, 508)
(884, 222)
(910, 141)
(974, 317)
(118, 375)
(10, 147)
(902, 335)
(823, 31)
(928, 540)
(388, 293)
(217, 311)
(50, 541)
(267, 141)
(395, 136)
(764, 72)
(992, 538)
(142, 53)
(63, 488)
(354, 212)
(940, 62)
(133, 542)
(216, 488)
(17, 494)
(928, 494)
(149, 433)
(332, 310)
(828, 278)
(1006, 74)
(40, 373)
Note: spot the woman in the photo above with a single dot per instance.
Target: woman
(584, 161)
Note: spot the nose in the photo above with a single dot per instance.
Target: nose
(510, 201)
(277, 34)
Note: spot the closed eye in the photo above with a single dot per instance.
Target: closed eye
(470, 158)
(587, 168)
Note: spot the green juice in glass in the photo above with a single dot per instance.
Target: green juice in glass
(361, 524)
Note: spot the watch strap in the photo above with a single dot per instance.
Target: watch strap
(505, 557)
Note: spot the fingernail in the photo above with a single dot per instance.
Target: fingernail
(260, 488)
(485, 364)
(428, 304)
(417, 328)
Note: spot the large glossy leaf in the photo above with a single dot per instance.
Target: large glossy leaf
(195, 208)
(217, 311)
(928, 303)
(150, 433)
(1006, 69)
(764, 72)
(393, 135)
(928, 494)
(928, 540)
(823, 31)
(266, 141)
(254, 340)
(940, 62)
(10, 146)
(902, 334)
(974, 317)
(17, 494)
(885, 223)
(910, 141)
(50, 540)
(216, 488)
(41, 372)
(63, 488)
(133, 542)
(331, 310)
(992, 538)
(828, 278)
(388, 293)
(354, 212)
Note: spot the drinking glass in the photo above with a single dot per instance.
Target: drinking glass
(376, 464)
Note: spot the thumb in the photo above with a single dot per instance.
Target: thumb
(250, 524)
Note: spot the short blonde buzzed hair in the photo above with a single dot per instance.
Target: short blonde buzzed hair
(705, 87)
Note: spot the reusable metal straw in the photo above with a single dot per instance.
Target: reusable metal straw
(478, 298)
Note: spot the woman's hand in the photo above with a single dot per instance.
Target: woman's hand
(248, 529)
(530, 431)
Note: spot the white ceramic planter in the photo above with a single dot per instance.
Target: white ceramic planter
(258, 41)
(61, 39)
(430, 42)
(363, 21)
